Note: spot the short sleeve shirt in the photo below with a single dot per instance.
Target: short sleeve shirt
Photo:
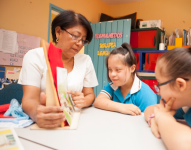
(140, 94)
(34, 70)
(184, 113)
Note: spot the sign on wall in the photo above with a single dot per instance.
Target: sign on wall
(25, 43)
(106, 37)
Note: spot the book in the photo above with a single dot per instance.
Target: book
(9, 140)
(65, 99)
(189, 36)
(185, 37)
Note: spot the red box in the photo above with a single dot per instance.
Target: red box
(150, 60)
(137, 55)
(150, 83)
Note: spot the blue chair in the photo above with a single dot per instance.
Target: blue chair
(11, 91)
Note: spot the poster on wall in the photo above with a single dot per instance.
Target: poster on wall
(107, 36)
(25, 43)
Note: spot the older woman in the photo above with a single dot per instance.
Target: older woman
(70, 32)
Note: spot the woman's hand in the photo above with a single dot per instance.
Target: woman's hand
(164, 109)
(48, 116)
(78, 99)
(130, 109)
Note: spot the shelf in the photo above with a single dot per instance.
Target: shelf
(150, 51)
(146, 74)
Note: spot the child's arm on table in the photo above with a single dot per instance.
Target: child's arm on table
(175, 135)
(103, 102)
(154, 127)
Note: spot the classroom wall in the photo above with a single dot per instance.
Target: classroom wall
(173, 13)
(31, 16)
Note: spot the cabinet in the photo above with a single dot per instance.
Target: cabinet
(145, 39)
(137, 55)
(150, 60)
(146, 62)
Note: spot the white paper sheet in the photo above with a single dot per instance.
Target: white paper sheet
(8, 41)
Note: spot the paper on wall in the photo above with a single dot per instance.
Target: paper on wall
(8, 41)
(25, 43)
(13, 74)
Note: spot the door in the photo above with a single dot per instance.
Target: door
(147, 39)
(150, 60)
(134, 39)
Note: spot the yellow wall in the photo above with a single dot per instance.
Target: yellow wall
(173, 13)
(31, 16)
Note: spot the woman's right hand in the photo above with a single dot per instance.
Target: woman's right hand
(48, 116)
(130, 109)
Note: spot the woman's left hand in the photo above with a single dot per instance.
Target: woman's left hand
(78, 99)
(164, 109)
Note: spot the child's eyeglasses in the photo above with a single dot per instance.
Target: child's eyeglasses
(77, 39)
(157, 89)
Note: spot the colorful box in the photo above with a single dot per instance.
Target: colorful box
(178, 43)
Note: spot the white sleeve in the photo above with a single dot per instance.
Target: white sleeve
(90, 79)
(31, 72)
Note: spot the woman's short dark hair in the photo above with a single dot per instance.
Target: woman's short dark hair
(129, 58)
(68, 19)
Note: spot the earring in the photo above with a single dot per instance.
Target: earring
(57, 40)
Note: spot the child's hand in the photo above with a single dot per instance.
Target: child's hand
(78, 99)
(164, 109)
(154, 128)
(130, 109)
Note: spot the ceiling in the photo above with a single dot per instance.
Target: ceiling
(114, 2)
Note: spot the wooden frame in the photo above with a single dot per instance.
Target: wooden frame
(55, 8)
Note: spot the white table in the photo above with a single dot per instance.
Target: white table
(97, 130)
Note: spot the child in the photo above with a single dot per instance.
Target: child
(125, 93)
(173, 72)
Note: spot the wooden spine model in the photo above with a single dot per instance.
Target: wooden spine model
(51, 94)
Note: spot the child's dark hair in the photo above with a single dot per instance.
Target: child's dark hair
(129, 58)
(177, 63)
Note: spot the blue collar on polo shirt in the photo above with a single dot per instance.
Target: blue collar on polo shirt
(135, 88)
